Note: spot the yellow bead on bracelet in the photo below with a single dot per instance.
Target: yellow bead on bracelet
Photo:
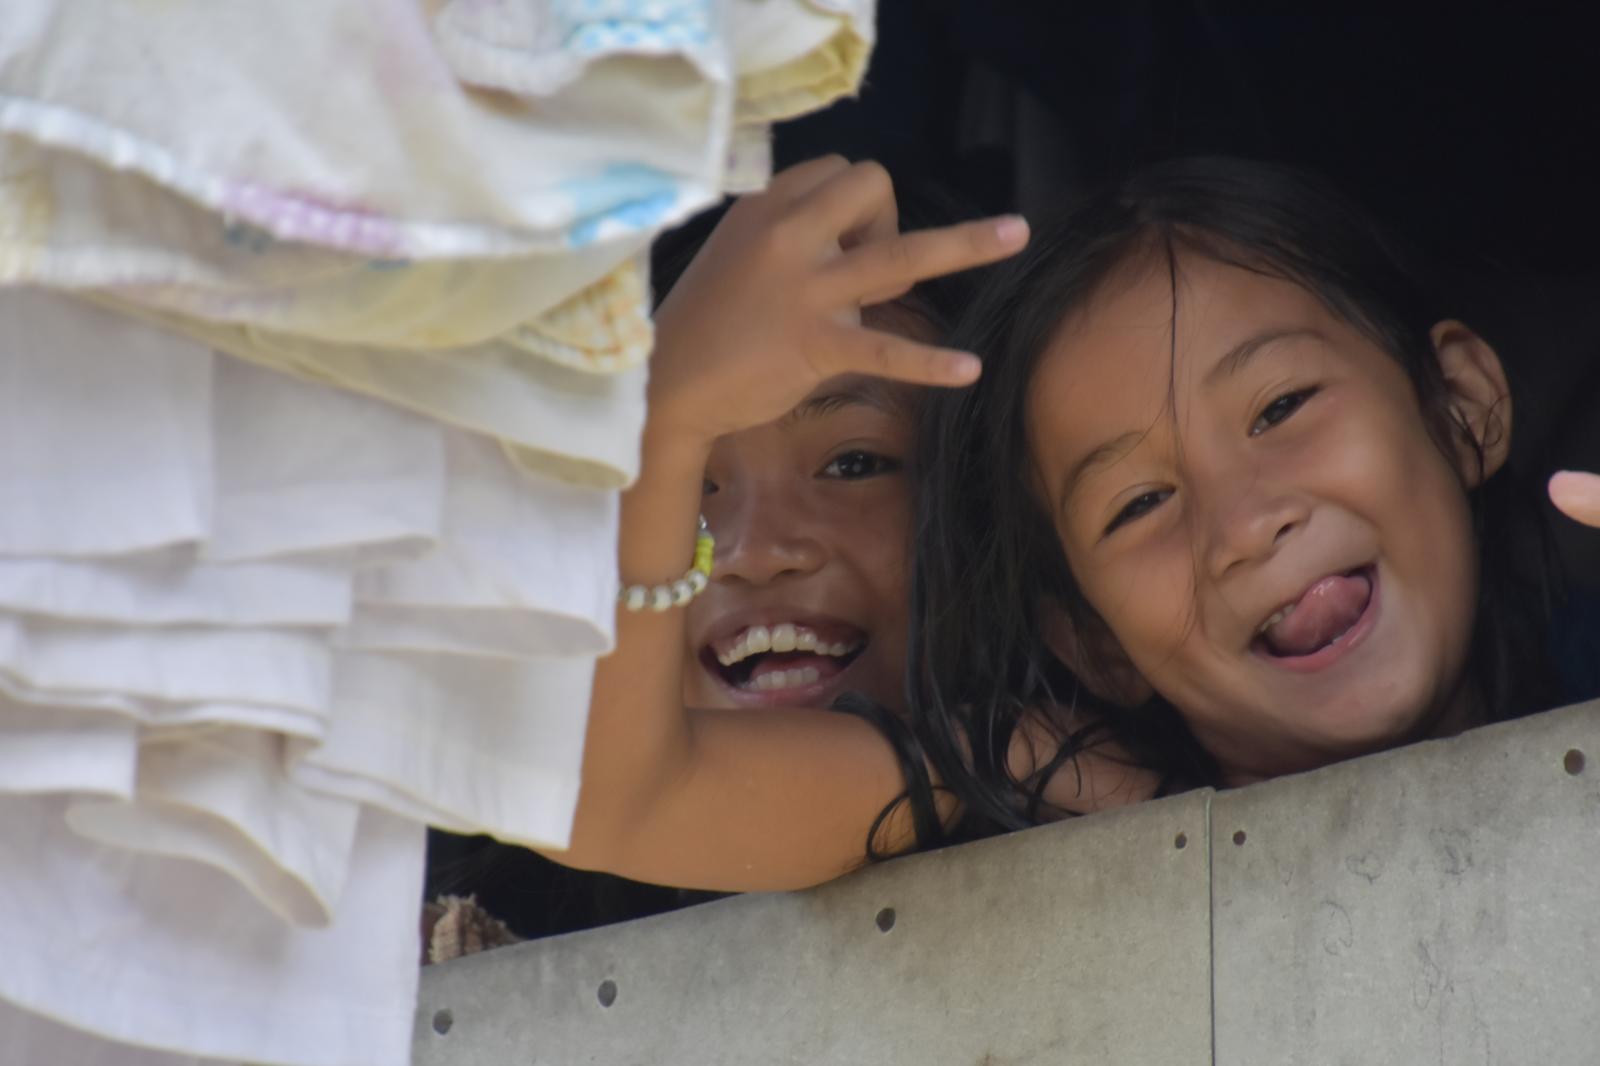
(681, 591)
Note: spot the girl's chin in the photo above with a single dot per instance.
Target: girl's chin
(1323, 736)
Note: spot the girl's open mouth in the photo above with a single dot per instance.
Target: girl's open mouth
(1325, 623)
(783, 658)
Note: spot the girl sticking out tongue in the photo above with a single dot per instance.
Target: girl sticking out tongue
(1241, 470)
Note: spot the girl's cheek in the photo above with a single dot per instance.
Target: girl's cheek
(1149, 600)
(876, 513)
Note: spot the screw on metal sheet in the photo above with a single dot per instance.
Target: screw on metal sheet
(442, 1021)
(885, 919)
(1181, 841)
(1238, 837)
(608, 992)
(1573, 762)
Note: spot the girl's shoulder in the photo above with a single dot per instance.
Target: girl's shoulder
(1089, 769)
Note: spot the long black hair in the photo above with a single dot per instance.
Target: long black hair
(988, 563)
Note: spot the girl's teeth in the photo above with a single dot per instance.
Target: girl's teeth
(1277, 616)
(783, 637)
(805, 675)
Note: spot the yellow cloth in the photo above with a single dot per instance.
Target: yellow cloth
(331, 230)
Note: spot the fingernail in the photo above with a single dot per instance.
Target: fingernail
(966, 367)
(1575, 487)
(1012, 229)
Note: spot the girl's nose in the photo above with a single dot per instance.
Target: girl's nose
(1250, 526)
(767, 538)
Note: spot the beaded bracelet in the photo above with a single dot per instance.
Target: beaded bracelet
(681, 591)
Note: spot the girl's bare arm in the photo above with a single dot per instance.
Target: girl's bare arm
(769, 309)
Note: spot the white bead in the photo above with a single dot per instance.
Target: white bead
(682, 592)
(698, 579)
(660, 598)
(634, 597)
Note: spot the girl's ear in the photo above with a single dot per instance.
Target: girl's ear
(1480, 398)
(1095, 657)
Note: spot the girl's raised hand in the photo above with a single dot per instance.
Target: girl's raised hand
(1577, 495)
(771, 305)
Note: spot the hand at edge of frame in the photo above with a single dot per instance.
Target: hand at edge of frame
(1577, 495)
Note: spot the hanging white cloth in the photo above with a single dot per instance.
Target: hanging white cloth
(322, 226)
(107, 948)
(431, 648)
(348, 125)
(308, 501)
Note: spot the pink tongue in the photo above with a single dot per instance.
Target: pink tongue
(1327, 610)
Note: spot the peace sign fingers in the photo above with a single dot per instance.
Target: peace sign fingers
(883, 269)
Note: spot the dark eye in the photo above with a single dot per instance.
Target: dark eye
(1280, 409)
(857, 465)
(707, 487)
(1137, 507)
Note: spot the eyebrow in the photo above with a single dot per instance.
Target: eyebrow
(1232, 361)
(864, 393)
(1235, 359)
(1104, 455)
